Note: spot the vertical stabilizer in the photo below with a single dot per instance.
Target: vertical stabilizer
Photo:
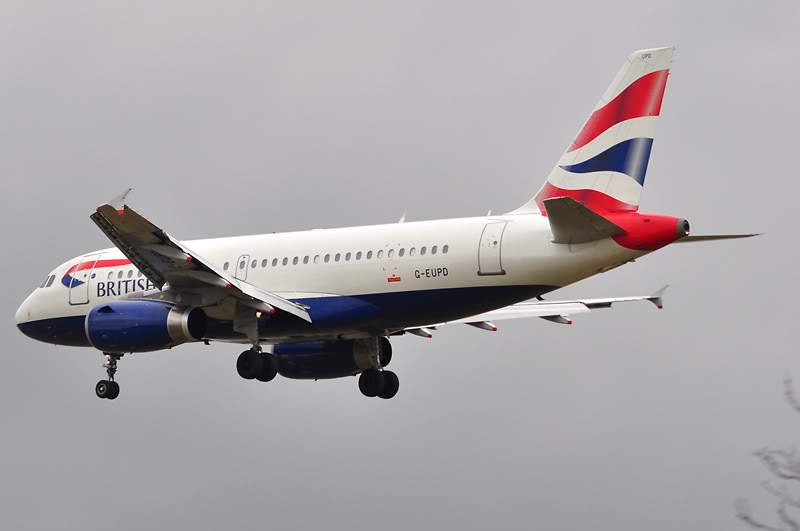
(605, 164)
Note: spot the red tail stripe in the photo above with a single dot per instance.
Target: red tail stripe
(597, 201)
(641, 98)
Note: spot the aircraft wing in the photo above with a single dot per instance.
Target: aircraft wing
(163, 259)
(555, 311)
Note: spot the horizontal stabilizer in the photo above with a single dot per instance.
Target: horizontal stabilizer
(713, 237)
(571, 222)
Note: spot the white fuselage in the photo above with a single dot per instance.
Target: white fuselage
(414, 273)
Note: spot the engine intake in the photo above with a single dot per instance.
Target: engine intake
(143, 326)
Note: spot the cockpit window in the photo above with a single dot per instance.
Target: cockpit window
(50, 281)
(44, 282)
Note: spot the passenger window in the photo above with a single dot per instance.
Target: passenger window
(139, 274)
(412, 251)
(242, 264)
(110, 275)
(433, 249)
(225, 266)
(391, 253)
(119, 275)
(316, 258)
(337, 257)
(347, 257)
(422, 252)
(253, 264)
(274, 262)
(369, 255)
(358, 255)
(445, 249)
(285, 261)
(380, 254)
(130, 273)
(50, 281)
(295, 260)
(402, 252)
(327, 258)
(264, 262)
(305, 259)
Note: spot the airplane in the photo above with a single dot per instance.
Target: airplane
(325, 303)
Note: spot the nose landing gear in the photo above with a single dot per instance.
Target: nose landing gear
(109, 388)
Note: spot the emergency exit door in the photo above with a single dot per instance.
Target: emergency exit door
(242, 264)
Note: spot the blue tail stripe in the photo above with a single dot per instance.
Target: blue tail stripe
(629, 157)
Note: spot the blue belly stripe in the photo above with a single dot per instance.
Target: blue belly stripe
(375, 311)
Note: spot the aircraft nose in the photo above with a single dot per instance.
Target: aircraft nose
(22, 315)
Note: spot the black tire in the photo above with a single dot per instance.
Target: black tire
(391, 384)
(371, 382)
(269, 369)
(249, 364)
(114, 391)
(103, 389)
(385, 352)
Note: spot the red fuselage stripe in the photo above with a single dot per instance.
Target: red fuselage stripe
(98, 264)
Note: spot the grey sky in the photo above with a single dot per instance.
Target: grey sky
(247, 117)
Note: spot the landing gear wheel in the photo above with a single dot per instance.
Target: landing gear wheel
(109, 388)
(391, 384)
(385, 352)
(114, 391)
(371, 382)
(269, 369)
(249, 364)
(103, 389)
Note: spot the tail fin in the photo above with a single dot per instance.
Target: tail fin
(604, 166)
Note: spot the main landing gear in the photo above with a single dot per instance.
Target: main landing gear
(378, 381)
(109, 388)
(383, 384)
(263, 366)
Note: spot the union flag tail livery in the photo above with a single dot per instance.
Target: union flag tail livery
(604, 166)
(329, 302)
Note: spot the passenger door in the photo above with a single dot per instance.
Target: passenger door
(80, 278)
(489, 251)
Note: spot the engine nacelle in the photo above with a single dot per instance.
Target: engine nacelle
(143, 326)
(329, 359)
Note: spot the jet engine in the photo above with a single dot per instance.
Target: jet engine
(331, 359)
(143, 326)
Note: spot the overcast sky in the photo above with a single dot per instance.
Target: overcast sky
(248, 117)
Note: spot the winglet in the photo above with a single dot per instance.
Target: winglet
(118, 203)
(657, 297)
